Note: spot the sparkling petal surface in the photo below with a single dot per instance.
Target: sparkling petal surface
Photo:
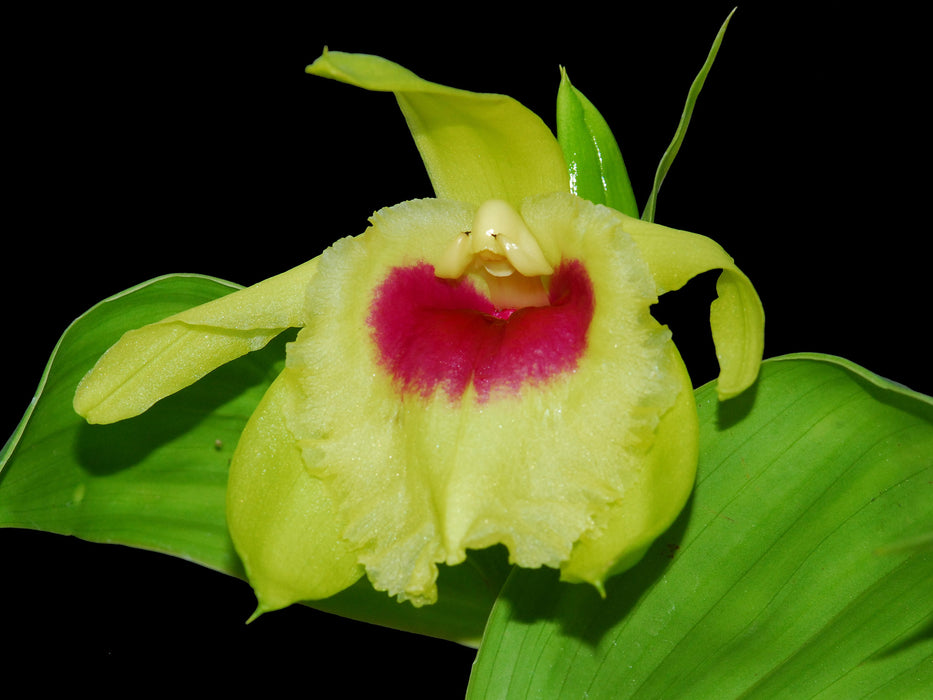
(421, 478)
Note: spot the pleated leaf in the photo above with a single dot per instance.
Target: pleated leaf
(156, 481)
(800, 568)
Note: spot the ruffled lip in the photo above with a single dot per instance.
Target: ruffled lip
(437, 334)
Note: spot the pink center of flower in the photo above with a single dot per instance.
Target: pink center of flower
(433, 333)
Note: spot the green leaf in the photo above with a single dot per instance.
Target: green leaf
(784, 577)
(668, 158)
(158, 481)
(594, 161)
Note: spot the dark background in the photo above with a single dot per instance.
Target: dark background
(149, 141)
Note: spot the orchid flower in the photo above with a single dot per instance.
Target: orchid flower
(475, 369)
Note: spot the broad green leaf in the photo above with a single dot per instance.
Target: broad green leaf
(784, 577)
(671, 153)
(594, 161)
(158, 481)
(475, 146)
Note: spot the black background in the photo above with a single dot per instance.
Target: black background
(152, 140)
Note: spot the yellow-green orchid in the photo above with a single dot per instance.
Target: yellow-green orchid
(477, 369)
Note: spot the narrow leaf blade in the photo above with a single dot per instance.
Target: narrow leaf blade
(681, 132)
(594, 160)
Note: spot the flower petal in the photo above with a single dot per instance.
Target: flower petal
(422, 478)
(736, 317)
(282, 520)
(633, 524)
(152, 362)
(475, 146)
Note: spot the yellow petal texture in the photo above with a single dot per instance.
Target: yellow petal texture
(282, 520)
(419, 479)
(475, 146)
(667, 475)
(152, 362)
(737, 317)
